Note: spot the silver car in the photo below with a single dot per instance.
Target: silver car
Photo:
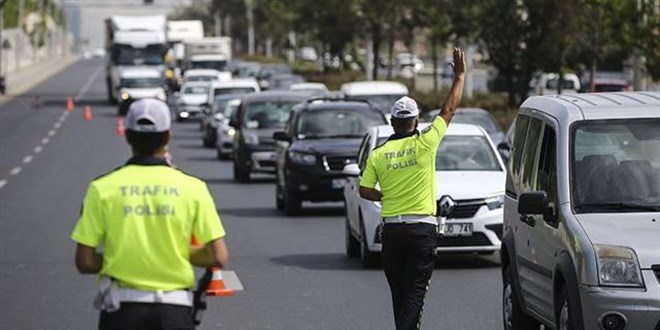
(581, 244)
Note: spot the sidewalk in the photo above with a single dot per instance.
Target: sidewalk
(19, 82)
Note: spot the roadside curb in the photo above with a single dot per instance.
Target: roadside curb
(39, 73)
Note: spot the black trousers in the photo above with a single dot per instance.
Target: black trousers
(408, 261)
(146, 316)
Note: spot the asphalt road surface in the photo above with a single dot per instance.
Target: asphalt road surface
(294, 269)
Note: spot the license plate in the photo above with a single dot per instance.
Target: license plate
(338, 183)
(458, 229)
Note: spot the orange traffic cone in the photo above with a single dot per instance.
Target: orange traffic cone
(120, 127)
(87, 113)
(217, 286)
(69, 104)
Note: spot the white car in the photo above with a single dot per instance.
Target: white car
(140, 83)
(206, 75)
(191, 100)
(225, 133)
(315, 89)
(381, 93)
(469, 170)
(234, 86)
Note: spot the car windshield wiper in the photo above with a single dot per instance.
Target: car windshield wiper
(620, 206)
(343, 136)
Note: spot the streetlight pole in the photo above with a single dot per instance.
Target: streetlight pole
(249, 5)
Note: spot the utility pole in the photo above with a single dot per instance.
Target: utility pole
(249, 5)
(36, 32)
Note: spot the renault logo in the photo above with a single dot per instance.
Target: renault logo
(446, 205)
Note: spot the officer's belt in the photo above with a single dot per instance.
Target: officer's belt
(411, 218)
(110, 296)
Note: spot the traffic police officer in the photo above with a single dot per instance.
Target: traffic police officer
(144, 215)
(404, 167)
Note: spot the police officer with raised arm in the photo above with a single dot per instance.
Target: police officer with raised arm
(143, 216)
(404, 167)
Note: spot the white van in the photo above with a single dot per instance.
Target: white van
(234, 86)
(546, 84)
(381, 93)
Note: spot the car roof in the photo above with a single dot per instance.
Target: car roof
(298, 86)
(374, 88)
(141, 73)
(200, 72)
(275, 96)
(321, 104)
(452, 130)
(592, 106)
(243, 82)
(195, 83)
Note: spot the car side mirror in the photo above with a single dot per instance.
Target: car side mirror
(533, 203)
(281, 136)
(219, 116)
(352, 169)
(504, 146)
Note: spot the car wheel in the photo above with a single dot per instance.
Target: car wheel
(512, 313)
(279, 199)
(292, 203)
(208, 143)
(369, 259)
(221, 155)
(566, 317)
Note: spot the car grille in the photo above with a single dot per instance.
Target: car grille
(337, 163)
(656, 271)
(267, 163)
(477, 239)
(497, 228)
(464, 208)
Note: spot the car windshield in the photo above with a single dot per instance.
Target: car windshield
(195, 90)
(230, 108)
(616, 166)
(202, 78)
(384, 102)
(215, 64)
(141, 82)
(337, 123)
(219, 105)
(481, 119)
(462, 153)
(264, 115)
(466, 153)
(566, 84)
(233, 90)
(127, 55)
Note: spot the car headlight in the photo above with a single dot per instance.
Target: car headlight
(617, 266)
(495, 201)
(302, 158)
(184, 114)
(251, 138)
(125, 96)
(161, 96)
(231, 131)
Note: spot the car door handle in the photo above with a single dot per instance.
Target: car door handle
(528, 219)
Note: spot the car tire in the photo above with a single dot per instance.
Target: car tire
(369, 259)
(352, 243)
(240, 174)
(221, 156)
(292, 203)
(565, 316)
(208, 143)
(513, 315)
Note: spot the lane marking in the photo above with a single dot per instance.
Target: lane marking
(51, 133)
(45, 140)
(88, 83)
(27, 159)
(58, 125)
(38, 149)
(2, 183)
(15, 170)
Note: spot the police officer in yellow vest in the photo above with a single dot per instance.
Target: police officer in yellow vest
(404, 167)
(143, 216)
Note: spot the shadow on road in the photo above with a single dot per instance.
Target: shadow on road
(208, 158)
(251, 212)
(179, 136)
(192, 146)
(319, 261)
(467, 261)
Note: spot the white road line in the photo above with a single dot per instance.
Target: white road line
(27, 159)
(3, 183)
(51, 133)
(45, 140)
(58, 125)
(88, 84)
(38, 149)
(15, 171)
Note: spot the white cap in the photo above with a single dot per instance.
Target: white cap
(405, 107)
(149, 116)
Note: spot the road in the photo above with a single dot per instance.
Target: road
(294, 269)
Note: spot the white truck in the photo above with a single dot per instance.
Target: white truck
(133, 41)
(179, 32)
(208, 53)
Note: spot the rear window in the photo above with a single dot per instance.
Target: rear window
(233, 90)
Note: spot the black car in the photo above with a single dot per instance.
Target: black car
(258, 116)
(321, 138)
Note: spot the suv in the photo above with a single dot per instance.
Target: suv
(254, 122)
(581, 244)
(321, 137)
